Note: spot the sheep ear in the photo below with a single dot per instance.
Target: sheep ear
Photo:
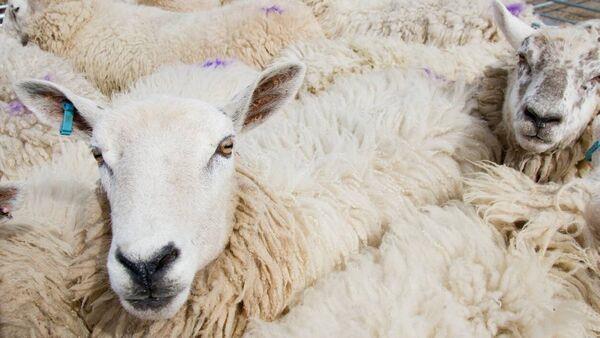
(9, 195)
(275, 87)
(513, 28)
(45, 99)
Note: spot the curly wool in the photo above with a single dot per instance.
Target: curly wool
(24, 142)
(113, 57)
(437, 22)
(443, 271)
(36, 246)
(182, 5)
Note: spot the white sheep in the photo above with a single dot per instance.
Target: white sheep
(24, 142)
(316, 186)
(48, 210)
(438, 22)
(115, 43)
(550, 96)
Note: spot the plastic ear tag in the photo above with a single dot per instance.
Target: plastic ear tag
(66, 128)
(590, 152)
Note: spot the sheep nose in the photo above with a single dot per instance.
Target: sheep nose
(539, 120)
(145, 272)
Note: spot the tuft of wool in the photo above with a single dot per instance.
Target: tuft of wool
(437, 22)
(37, 245)
(116, 43)
(549, 218)
(442, 271)
(317, 182)
(24, 142)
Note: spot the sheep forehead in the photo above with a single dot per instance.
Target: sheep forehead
(569, 47)
(164, 125)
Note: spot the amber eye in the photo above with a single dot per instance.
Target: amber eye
(97, 155)
(225, 148)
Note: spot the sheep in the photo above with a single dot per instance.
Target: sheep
(47, 209)
(24, 142)
(550, 97)
(318, 186)
(438, 22)
(443, 271)
(115, 43)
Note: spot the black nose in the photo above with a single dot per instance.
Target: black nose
(539, 120)
(145, 273)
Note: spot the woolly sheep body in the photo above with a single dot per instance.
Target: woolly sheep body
(24, 142)
(182, 5)
(37, 246)
(94, 39)
(437, 22)
(442, 270)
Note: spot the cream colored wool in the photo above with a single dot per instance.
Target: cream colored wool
(24, 142)
(116, 43)
(436, 22)
(37, 245)
(549, 218)
(330, 59)
(317, 182)
(560, 165)
(443, 272)
(182, 5)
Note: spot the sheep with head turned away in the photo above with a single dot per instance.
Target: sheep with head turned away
(550, 99)
(40, 218)
(115, 43)
(24, 142)
(437, 22)
(315, 184)
(445, 271)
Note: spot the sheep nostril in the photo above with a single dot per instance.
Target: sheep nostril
(166, 257)
(531, 115)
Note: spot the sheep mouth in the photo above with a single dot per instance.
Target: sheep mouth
(149, 303)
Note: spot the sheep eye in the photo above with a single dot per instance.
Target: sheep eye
(523, 62)
(98, 156)
(225, 148)
(16, 9)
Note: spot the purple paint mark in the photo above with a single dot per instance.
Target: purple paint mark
(433, 75)
(47, 77)
(273, 9)
(216, 63)
(16, 108)
(516, 9)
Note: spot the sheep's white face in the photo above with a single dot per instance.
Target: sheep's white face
(167, 166)
(553, 93)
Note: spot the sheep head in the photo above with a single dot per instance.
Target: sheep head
(167, 166)
(554, 92)
(17, 16)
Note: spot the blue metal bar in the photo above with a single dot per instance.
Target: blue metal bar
(567, 3)
(557, 19)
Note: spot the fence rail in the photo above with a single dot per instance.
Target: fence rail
(567, 11)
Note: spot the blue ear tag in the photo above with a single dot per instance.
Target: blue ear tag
(66, 128)
(591, 151)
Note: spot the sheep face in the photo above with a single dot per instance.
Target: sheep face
(553, 93)
(167, 166)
